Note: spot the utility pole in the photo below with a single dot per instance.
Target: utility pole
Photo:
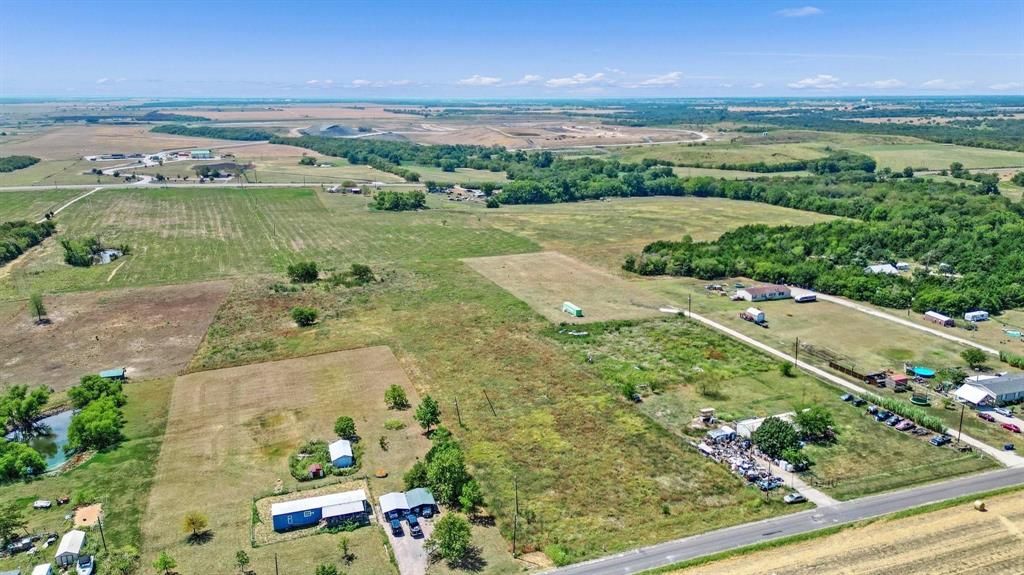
(515, 521)
(796, 352)
(960, 429)
(102, 535)
(458, 412)
(689, 305)
(276, 570)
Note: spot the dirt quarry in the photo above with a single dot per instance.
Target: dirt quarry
(958, 540)
(152, 332)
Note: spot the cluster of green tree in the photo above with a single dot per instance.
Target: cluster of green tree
(318, 451)
(363, 151)
(18, 236)
(398, 201)
(158, 116)
(1018, 179)
(11, 163)
(20, 408)
(989, 182)
(443, 471)
(307, 161)
(99, 420)
(970, 241)
(841, 161)
(83, 252)
(780, 439)
(220, 133)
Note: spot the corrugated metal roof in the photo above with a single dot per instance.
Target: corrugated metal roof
(72, 542)
(342, 509)
(320, 502)
(765, 289)
(972, 393)
(1010, 383)
(44, 569)
(419, 496)
(392, 502)
(340, 448)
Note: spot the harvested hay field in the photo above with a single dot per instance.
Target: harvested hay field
(545, 280)
(230, 433)
(957, 540)
(151, 331)
(73, 142)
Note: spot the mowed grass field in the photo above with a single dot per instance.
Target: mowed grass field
(228, 438)
(932, 156)
(32, 205)
(459, 176)
(548, 279)
(716, 153)
(694, 367)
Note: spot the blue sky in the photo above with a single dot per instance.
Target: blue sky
(509, 49)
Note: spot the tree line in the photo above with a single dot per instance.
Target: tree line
(243, 134)
(18, 236)
(11, 163)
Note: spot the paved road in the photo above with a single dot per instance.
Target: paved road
(1007, 458)
(646, 558)
(895, 319)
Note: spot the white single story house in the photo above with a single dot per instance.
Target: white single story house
(1000, 390)
(70, 547)
(763, 293)
(341, 453)
(882, 269)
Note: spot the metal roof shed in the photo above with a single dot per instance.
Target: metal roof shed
(420, 499)
(70, 547)
(393, 503)
(44, 569)
(341, 453)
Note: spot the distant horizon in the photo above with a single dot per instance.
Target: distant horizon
(495, 99)
(533, 49)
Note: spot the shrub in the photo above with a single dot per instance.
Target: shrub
(304, 316)
(493, 202)
(394, 424)
(395, 398)
(303, 272)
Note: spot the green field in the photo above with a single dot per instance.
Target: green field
(692, 367)
(56, 173)
(459, 176)
(716, 153)
(931, 156)
(32, 205)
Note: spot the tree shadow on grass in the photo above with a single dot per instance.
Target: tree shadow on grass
(200, 538)
(473, 561)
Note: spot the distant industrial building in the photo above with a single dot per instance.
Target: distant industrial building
(200, 154)
(334, 509)
(763, 293)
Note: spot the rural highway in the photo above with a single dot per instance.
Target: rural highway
(647, 558)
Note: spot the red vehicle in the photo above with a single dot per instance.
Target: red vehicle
(986, 416)
(1012, 427)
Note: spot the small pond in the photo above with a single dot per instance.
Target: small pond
(51, 438)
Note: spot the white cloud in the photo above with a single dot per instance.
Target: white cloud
(360, 83)
(102, 80)
(1006, 86)
(478, 80)
(819, 82)
(312, 82)
(800, 12)
(725, 85)
(526, 79)
(574, 80)
(669, 79)
(889, 84)
(943, 84)
(756, 85)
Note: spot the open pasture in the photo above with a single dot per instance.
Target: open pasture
(546, 280)
(74, 141)
(32, 205)
(951, 541)
(692, 367)
(932, 156)
(152, 332)
(229, 435)
(717, 153)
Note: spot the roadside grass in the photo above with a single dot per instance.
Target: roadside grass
(31, 205)
(690, 367)
(888, 522)
(120, 479)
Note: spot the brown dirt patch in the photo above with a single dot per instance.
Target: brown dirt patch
(547, 279)
(151, 331)
(955, 540)
(88, 516)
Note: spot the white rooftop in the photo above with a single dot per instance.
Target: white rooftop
(320, 502)
(340, 448)
(44, 569)
(342, 509)
(972, 393)
(393, 501)
(72, 542)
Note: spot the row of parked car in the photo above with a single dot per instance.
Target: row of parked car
(895, 421)
(1007, 426)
